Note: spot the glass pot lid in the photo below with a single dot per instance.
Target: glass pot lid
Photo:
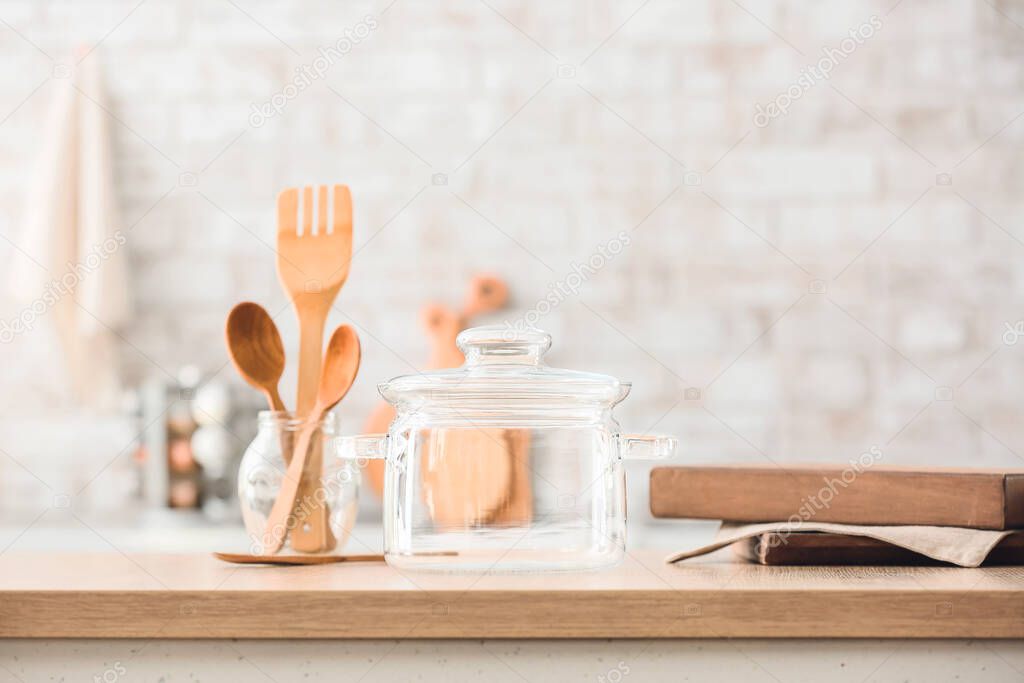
(504, 369)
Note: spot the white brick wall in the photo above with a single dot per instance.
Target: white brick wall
(715, 291)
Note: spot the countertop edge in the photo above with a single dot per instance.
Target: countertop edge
(526, 614)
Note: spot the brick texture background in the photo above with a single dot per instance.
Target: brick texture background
(838, 279)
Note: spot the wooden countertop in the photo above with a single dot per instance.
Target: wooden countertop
(195, 596)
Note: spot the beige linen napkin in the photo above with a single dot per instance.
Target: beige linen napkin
(964, 547)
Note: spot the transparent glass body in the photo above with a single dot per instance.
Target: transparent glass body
(560, 504)
(263, 468)
(504, 464)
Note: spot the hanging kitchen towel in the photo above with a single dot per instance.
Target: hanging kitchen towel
(72, 269)
(964, 547)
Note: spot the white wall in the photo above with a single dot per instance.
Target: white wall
(813, 279)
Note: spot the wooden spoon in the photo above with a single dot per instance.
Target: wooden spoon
(255, 348)
(256, 351)
(341, 362)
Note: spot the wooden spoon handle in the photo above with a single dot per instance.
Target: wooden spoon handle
(277, 522)
(314, 534)
(311, 348)
(274, 399)
(311, 343)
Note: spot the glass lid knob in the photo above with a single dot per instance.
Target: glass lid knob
(497, 344)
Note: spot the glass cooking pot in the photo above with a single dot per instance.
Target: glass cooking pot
(504, 464)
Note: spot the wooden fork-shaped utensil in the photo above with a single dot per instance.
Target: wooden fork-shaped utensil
(312, 266)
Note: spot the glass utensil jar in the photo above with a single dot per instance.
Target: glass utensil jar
(504, 464)
(263, 469)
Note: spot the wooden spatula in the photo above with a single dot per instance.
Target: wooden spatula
(312, 265)
(341, 363)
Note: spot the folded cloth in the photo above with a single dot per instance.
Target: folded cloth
(963, 547)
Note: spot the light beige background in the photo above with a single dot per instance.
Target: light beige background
(839, 279)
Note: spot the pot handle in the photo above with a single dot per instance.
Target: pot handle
(646, 447)
(361, 447)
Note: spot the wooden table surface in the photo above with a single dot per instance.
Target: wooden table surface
(112, 595)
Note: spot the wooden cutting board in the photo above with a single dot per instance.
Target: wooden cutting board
(517, 508)
(442, 325)
(467, 475)
(483, 477)
(972, 498)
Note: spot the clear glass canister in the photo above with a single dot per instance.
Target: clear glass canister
(504, 464)
(263, 468)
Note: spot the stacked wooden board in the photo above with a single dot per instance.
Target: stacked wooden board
(861, 494)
